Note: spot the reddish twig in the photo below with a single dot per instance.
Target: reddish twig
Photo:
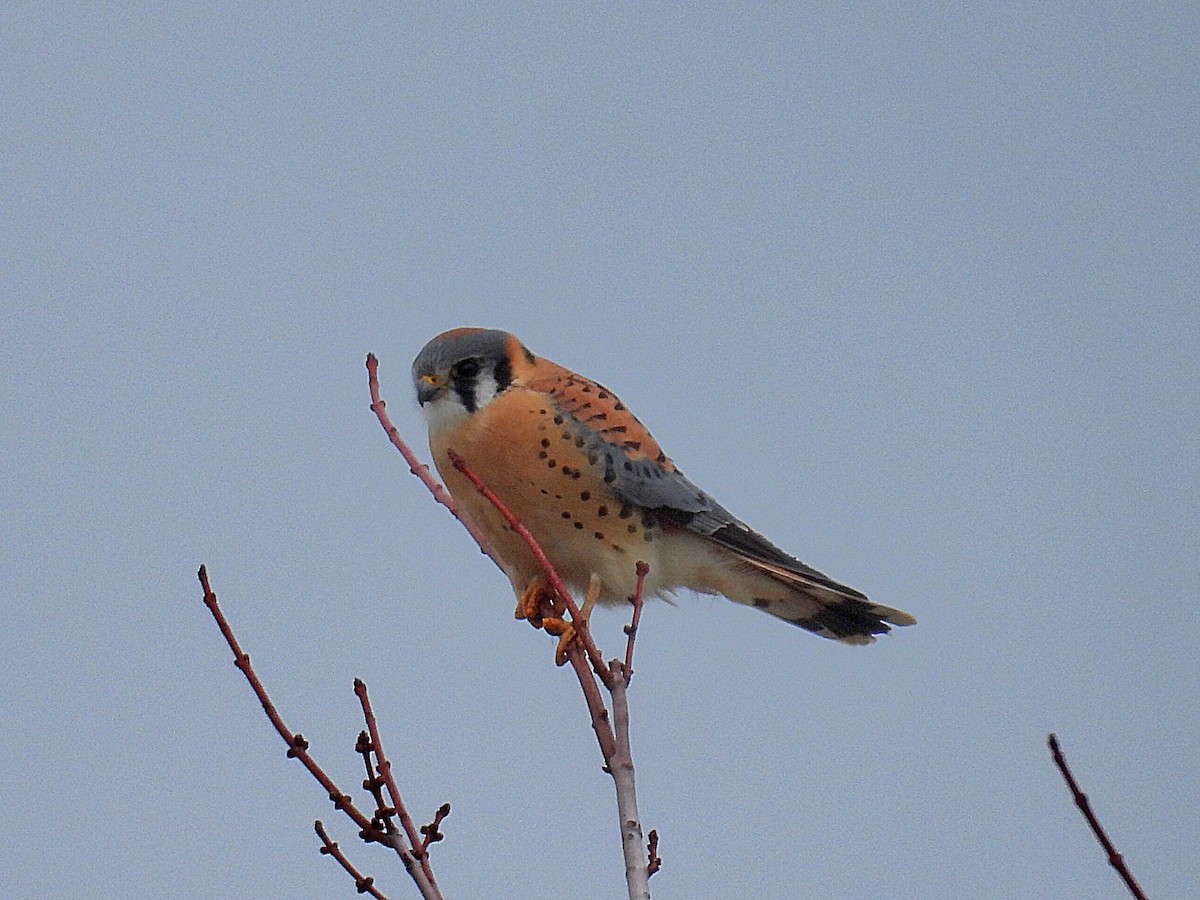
(369, 829)
(631, 629)
(578, 620)
(362, 883)
(418, 468)
(613, 736)
(430, 831)
(384, 814)
(297, 745)
(653, 862)
(1114, 858)
(383, 768)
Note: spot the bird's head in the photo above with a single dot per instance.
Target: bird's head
(461, 371)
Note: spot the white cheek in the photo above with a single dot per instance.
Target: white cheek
(485, 389)
(444, 412)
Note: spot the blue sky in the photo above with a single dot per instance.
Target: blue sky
(911, 290)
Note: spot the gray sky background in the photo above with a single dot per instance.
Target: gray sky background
(913, 290)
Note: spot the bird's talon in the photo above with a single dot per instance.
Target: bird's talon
(565, 632)
(538, 595)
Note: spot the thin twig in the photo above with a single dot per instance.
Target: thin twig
(369, 830)
(297, 745)
(418, 468)
(362, 883)
(578, 620)
(653, 862)
(430, 831)
(384, 768)
(1114, 858)
(631, 629)
(613, 736)
(384, 814)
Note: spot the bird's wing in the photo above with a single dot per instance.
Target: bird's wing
(639, 473)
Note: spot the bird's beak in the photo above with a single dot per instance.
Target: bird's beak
(429, 387)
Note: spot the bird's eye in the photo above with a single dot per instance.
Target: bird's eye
(468, 368)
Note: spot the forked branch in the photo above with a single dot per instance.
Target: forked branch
(378, 828)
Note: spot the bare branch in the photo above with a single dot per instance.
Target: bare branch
(362, 883)
(653, 863)
(369, 830)
(297, 745)
(384, 814)
(631, 629)
(578, 648)
(582, 631)
(612, 737)
(600, 724)
(384, 769)
(430, 831)
(1114, 858)
(418, 468)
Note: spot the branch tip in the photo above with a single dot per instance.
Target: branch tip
(1114, 858)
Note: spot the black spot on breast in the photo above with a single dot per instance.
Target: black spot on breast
(566, 515)
(760, 603)
(618, 548)
(558, 420)
(585, 496)
(619, 407)
(599, 535)
(545, 442)
(602, 511)
(626, 511)
(542, 454)
(579, 526)
(552, 463)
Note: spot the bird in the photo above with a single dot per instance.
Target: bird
(596, 491)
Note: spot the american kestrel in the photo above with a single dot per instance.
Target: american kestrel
(596, 491)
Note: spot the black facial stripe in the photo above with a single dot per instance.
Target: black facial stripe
(503, 374)
(464, 386)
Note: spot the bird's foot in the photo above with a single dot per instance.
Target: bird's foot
(566, 631)
(536, 602)
(542, 608)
